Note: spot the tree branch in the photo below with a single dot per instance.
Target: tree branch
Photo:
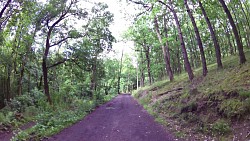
(166, 5)
(140, 3)
(58, 63)
(64, 39)
(4, 8)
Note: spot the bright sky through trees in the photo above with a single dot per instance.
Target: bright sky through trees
(122, 12)
(122, 20)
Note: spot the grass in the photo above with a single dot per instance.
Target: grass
(208, 104)
(48, 119)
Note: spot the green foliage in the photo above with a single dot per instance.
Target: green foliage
(232, 108)
(6, 117)
(2, 118)
(220, 127)
(221, 96)
(245, 94)
(31, 111)
(52, 121)
(20, 103)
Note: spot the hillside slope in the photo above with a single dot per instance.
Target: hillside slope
(215, 107)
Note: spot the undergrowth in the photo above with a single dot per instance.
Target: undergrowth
(211, 104)
(48, 119)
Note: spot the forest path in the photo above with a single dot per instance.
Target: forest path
(121, 119)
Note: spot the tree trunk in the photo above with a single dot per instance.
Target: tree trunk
(45, 69)
(184, 51)
(231, 50)
(119, 75)
(2, 11)
(238, 24)
(213, 36)
(247, 25)
(198, 39)
(21, 78)
(166, 35)
(236, 34)
(164, 50)
(192, 49)
(179, 68)
(8, 83)
(142, 79)
(146, 48)
(93, 77)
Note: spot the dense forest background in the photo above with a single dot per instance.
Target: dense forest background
(55, 48)
(172, 37)
(54, 53)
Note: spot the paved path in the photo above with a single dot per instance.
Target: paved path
(121, 119)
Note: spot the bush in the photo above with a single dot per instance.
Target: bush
(6, 118)
(19, 103)
(232, 108)
(220, 127)
(2, 118)
(245, 94)
(31, 111)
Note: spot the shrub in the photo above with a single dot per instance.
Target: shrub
(232, 108)
(20, 103)
(220, 127)
(31, 111)
(2, 118)
(245, 94)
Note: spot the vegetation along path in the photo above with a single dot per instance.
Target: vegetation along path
(121, 119)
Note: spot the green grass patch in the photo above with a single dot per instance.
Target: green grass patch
(220, 127)
(206, 103)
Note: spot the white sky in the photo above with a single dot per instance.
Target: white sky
(122, 12)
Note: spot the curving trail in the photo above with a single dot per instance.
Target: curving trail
(121, 119)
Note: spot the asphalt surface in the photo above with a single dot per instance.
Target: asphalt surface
(121, 119)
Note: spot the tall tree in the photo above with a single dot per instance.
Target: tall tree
(119, 75)
(212, 33)
(183, 47)
(235, 31)
(58, 11)
(2, 12)
(198, 39)
(164, 50)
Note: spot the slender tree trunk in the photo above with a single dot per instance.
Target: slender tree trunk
(214, 38)
(148, 63)
(198, 39)
(184, 51)
(119, 74)
(20, 84)
(192, 49)
(8, 97)
(142, 79)
(165, 55)
(93, 76)
(236, 34)
(40, 82)
(238, 24)
(2, 11)
(179, 66)
(231, 50)
(45, 69)
(137, 76)
(166, 35)
(247, 25)
(29, 83)
(24, 63)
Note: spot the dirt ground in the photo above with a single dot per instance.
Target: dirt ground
(121, 119)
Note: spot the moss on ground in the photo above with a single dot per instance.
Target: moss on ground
(211, 105)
